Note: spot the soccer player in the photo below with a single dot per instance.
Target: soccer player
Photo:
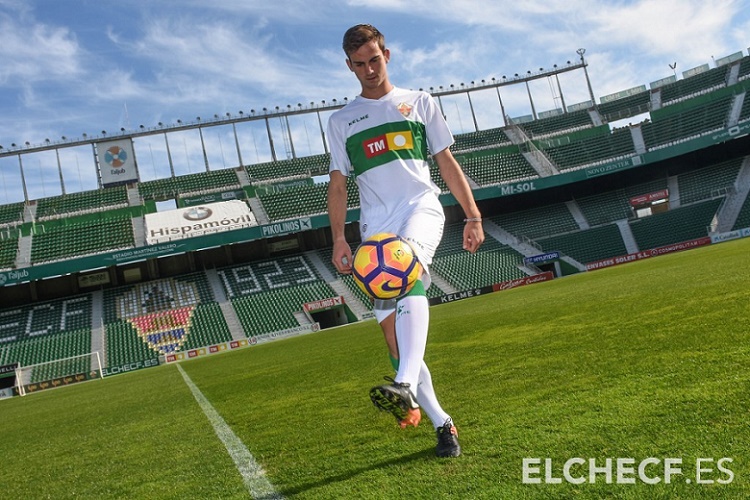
(383, 137)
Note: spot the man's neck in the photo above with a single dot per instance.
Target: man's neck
(378, 92)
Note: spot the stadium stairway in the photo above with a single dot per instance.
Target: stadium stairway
(134, 195)
(526, 248)
(735, 110)
(730, 209)
(359, 309)
(575, 211)
(627, 235)
(539, 162)
(242, 176)
(139, 231)
(673, 186)
(639, 143)
(23, 257)
(257, 208)
(596, 118)
(442, 284)
(734, 74)
(230, 315)
(656, 99)
(29, 212)
(97, 330)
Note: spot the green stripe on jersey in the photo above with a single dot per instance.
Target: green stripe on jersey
(402, 140)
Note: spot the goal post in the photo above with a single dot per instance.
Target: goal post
(58, 373)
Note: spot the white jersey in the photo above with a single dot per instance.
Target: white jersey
(384, 143)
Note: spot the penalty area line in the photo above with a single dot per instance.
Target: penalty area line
(252, 473)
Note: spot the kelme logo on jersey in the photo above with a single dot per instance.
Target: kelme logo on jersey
(392, 141)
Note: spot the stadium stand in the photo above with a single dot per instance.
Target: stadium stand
(709, 181)
(8, 249)
(204, 182)
(538, 222)
(274, 310)
(267, 293)
(743, 219)
(295, 167)
(557, 124)
(611, 206)
(486, 267)
(745, 113)
(496, 166)
(493, 263)
(80, 203)
(588, 245)
(480, 139)
(184, 304)
(703, 116)
(744, 67)
(303, 200)
(696, 84)
(82, 238)
(50, 348)
(46, 331)
(682, 224)
(625, 107)
(593, 149)
(11, 214)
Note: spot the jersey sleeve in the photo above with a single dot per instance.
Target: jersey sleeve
(337, 144)
(439, 135)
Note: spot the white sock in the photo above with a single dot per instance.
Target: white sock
(412, 322)
(427, 399)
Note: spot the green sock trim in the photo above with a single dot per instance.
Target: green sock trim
(394, 361)
(417, 290)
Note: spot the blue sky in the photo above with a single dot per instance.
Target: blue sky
(69, 67)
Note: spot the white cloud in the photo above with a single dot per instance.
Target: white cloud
(32, 52)
(696, 29)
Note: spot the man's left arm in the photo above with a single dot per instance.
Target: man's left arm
(454, 178)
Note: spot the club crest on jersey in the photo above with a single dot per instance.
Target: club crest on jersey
(405, 109)
(391, 141)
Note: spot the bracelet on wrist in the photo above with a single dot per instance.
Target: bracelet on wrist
(473, 219)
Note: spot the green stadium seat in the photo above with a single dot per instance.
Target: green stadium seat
(83, 237)
(674, 226)
(81, 203)
(538, 222)
(709, 181)
(11, 214)
(589, 245)
(701, 83)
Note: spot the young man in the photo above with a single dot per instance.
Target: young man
(382, 138)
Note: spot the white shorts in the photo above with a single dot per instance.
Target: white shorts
(423, 229)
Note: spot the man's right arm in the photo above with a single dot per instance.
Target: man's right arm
(337, 205)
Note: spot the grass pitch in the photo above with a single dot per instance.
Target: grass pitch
(644, 360)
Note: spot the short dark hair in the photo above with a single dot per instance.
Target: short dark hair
(358, 35)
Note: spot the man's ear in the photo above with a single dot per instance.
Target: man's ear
(349, 64)
(387, 54)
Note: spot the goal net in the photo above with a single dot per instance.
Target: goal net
(57, 373)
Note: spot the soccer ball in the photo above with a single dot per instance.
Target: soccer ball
(385, 266)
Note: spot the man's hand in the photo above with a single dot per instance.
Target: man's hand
(342, 256)
(473, 236)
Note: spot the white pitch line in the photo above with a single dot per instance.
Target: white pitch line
(252, 473)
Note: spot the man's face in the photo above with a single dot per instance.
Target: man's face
(368, 63)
